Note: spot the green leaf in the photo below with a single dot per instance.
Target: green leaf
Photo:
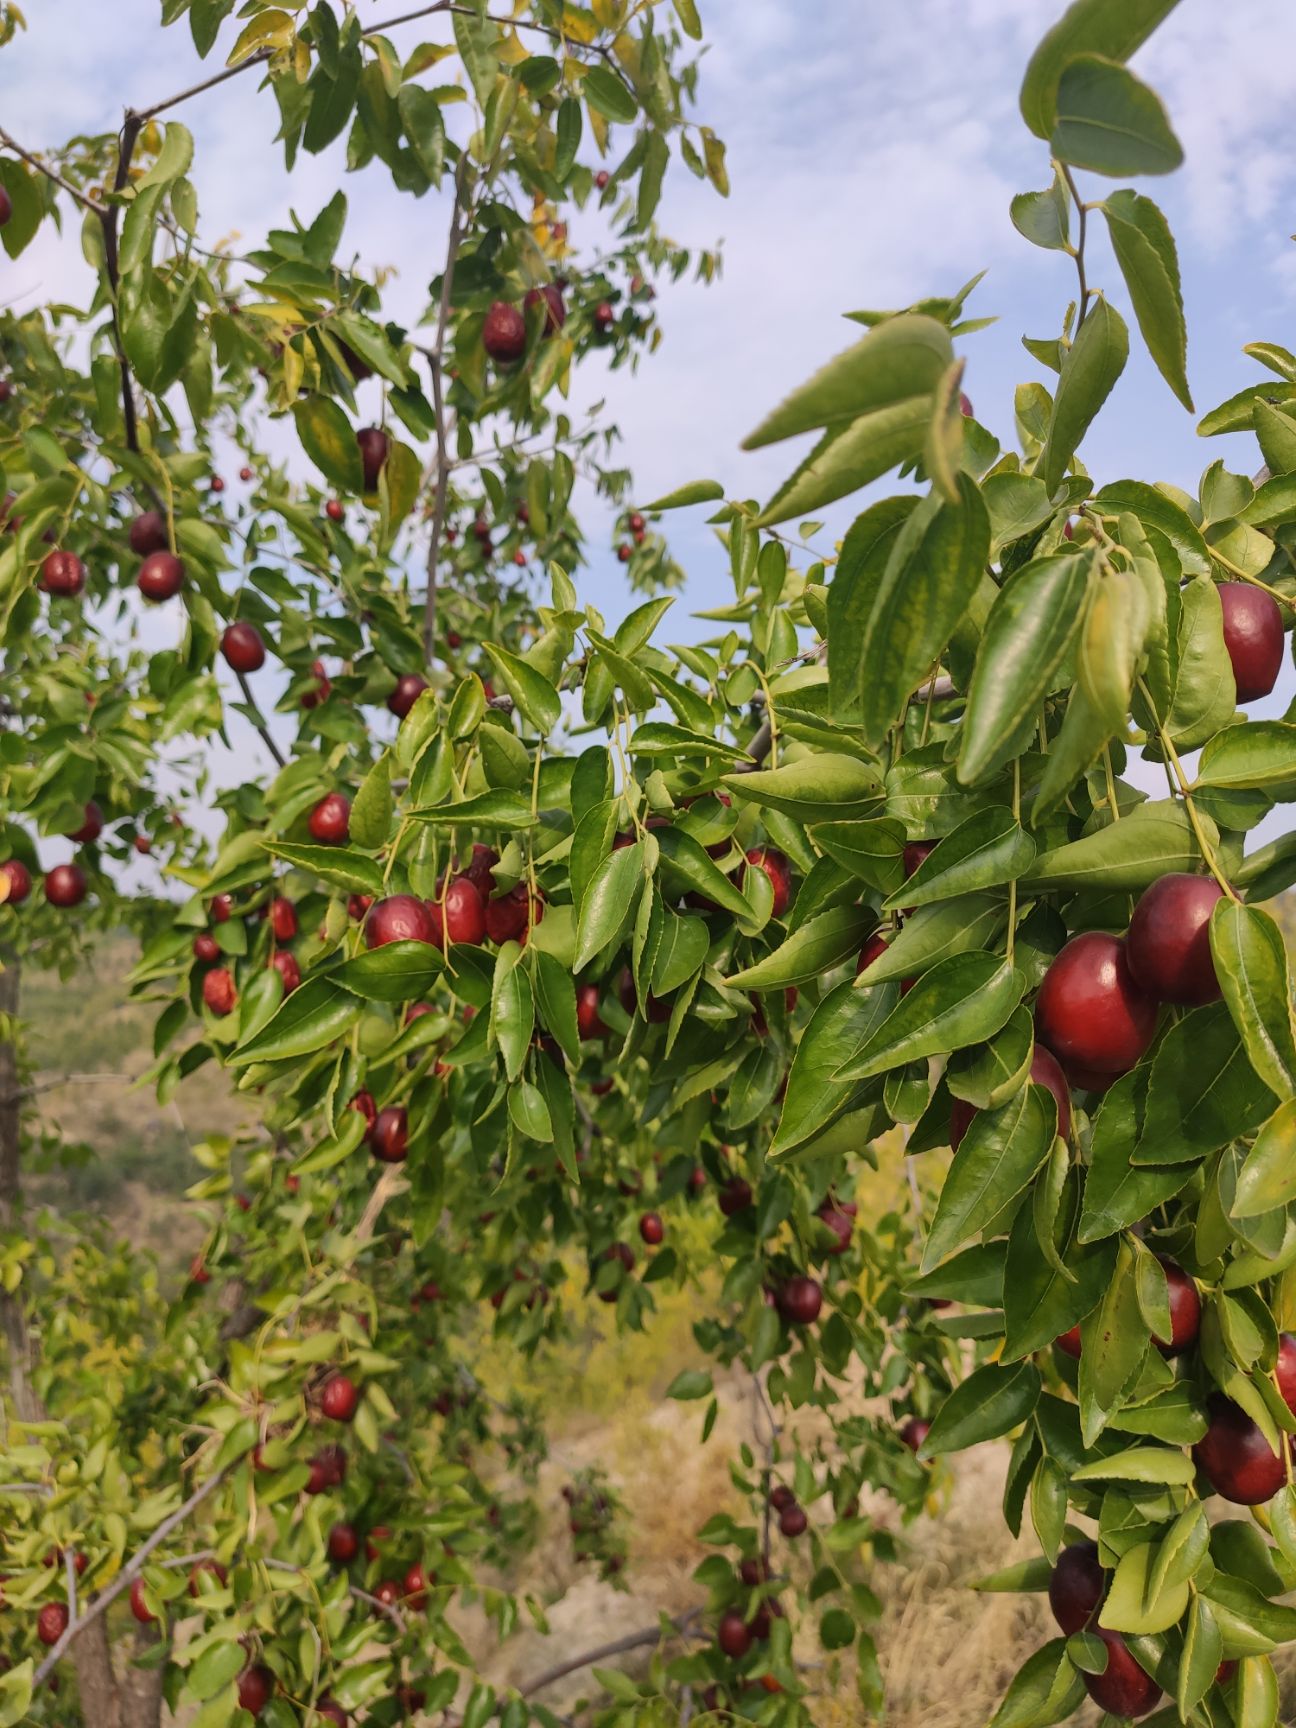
(842, 1021)
(991, 1401)
(314, 1015)
(610, 902)
(1203, 1091)
(1255, 753)
(900, 360)
(1047, 1688)
(696, 492)
(1267, 1180)
(371, 812)
(608, 96)
(16, 1694)
(872, 850)
(1110, 122)
(214, 1669)
(421, 116)
(1276, 433)
(690, 1384)
(1114, 1344)
(1113, 28)
(1131, 1607)
(1117, 1192)
(934, 933)
(1155, 509)
(856, 583)
(682, 856)
(327, 438)
(1000, 1152)
(1251, 965)
(1159, 1466)
(1203, 1650)
(988, 849)
(1145, 251)
(1149, 841)
(533, 695)
(824, 787)
(341, 866)
(962, 1000)
(396, 972)
(933, 570)
(813, 949)
(1043, 218)
(1093, 363)
(987, 1075)
(1027, 637)
(512, 1010)
(848, 457)
(1039, 1301)
(529, 1113)
(488, 810)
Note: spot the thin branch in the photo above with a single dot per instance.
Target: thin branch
(1082, 220)
(129, 1572)
(49, 173)
(389, 1183)
(389, 1609)
(260, 59)
(258, 722)
(55, 1081)
(436, 361)
(110, 217)
(650, 1635)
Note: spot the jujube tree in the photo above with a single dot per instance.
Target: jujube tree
(540, 935)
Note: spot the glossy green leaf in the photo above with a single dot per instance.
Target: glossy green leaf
(1251, 965)
(312, 1016)
(1149, 841)
(991, 1401)
(861, 566)
(844, 1019)
(1110, 122)
(825, 787)
(899, 361)
(534, 696)
(1114, 28)
(1267, 1179)
(340, 866)
(934, 568)
(396, 972)
(512, 1010)
(987, 850)
(1203, 1091)
(327, 438)
(1043, 218)
(1093, 363)
(999, 1153)
(610, 902)
(1145, 251)
(1030, 630)
(814, 948)
(963, 1000)
(1130, 1607)
(372, 808)
(605, 92)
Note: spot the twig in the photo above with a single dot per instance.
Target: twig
(1082, 220)
(436, 360)
(390, 1609)
(258, 722)
(57, 1080)
(109, 217)
(390, 1182)
(617, 1647)
(49, 173)
(129, 1572)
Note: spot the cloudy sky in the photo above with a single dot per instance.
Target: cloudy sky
(873, 149)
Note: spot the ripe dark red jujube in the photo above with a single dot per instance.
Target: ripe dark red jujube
(1168, 945)
(1235, 1457)
(1253, 636)
(1089, 1010)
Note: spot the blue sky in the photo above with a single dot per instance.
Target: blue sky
(873, 150)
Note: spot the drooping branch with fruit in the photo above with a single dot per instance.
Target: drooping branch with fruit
(530, 936)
